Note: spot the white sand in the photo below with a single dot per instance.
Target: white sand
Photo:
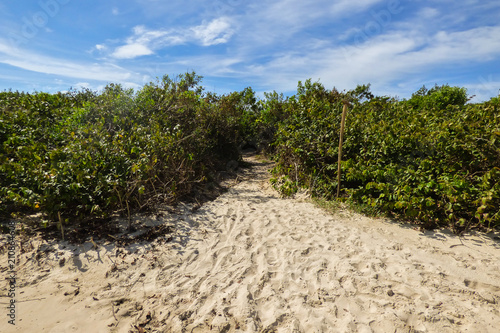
(252, 262)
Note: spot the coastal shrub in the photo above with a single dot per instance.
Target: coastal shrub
(433, 158)
(85, 154)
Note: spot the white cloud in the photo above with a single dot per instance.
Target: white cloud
(35, 62)
(8, 49)
(291, 24)
(347, 7)
(428, 13)
(82, 85)
(394, 45)
(63, 67)
(215, 32)
(130, 51)
(382, 60)
(484, 88)
(145, 42)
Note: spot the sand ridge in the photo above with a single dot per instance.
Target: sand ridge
(251, 261)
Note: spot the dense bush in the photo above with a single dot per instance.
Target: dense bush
(84, 154)
(439, 97)
(431, 158)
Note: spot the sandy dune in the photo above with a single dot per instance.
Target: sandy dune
(253, 262)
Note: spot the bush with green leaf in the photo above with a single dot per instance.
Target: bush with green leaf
(87, 154)
(433, 159)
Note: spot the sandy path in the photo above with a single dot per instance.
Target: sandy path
(253, 262)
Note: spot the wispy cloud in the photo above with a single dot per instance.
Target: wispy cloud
(383, 60)
(130, 51)
(395, 45)
(146, 41)
(35, 62)
(349, 7)
(215, 32)
(428, 13)
(484, 87)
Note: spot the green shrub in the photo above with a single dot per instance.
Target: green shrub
(431, 159)
(439, 97)
(87, 154)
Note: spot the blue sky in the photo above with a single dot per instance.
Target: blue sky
(396, 46)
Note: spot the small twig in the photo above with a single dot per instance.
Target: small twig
(129, 219)
(296, 175)
(93, 243)
(460, 239)
(119, 197)
(61, 223)
(113, 310)
(152, 184)
(137, 318)
(184, 138)
(26, 300)
(111, 259)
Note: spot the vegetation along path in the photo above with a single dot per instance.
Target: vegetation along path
(251, 261)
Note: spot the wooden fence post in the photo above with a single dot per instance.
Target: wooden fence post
(342, 125)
